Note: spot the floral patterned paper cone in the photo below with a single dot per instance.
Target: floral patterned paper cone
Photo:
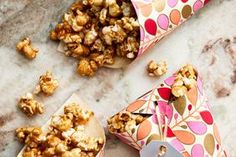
(191, 129)
(157, 18)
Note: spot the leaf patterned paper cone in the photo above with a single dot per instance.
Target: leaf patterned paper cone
(191, 128)
(93, 128)
(157, 18)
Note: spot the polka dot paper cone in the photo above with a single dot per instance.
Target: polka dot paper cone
(159, 17)
(189, 124)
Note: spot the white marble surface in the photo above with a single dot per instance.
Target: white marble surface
(111, 90)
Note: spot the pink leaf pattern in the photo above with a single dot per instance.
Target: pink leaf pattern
(177, 145)
(165, 109)
(170, 80)
(197, 127)
(197, 151)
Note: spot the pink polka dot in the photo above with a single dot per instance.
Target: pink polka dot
(172, 3)
(197, 5)
(163, 21)
(150, 26)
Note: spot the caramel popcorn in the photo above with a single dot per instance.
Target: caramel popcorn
(30, 106)
(80, 116)
(87, 67)
(24, 47)
(156, 69)
(47, 84)
(65, 136)
(123, 122)
(185, 79)
(93, 26)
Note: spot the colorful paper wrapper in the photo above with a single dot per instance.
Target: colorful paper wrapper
(93, 128)
(189, 124)
(157, 18)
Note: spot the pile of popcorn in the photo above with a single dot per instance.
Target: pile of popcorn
(65, 138)
(97, 31)
(186, 78)
(123, 122)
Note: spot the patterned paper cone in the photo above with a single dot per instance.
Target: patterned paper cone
(93, 128)
(157, 18)
(191, 129)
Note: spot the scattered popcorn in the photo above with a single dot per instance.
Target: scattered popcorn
(157, 69)
(47, 84)
(24, 47)
(30, 106)
(94, 26)
(123, 122)
(65, 136)
(185, 80)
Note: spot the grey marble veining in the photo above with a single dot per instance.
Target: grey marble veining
(110, 90)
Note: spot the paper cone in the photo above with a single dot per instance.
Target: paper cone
(93, 128)
(157, 18)
(190, 126)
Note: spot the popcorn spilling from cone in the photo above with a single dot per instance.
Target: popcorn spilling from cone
(182, 123)
(100, 33)
(73, 131)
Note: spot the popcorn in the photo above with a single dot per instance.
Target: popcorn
(32, 136)
(86, 67)
(80, 116)
(185, 80)
(90, 36)
(24, 47)
(47, 84)
(124, 121)
(61, 123)
(156, 69)
(65, 136)
(30, 106)
(114, 10)
(93, 26)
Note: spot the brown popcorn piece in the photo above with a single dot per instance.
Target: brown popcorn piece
(156, 69)
(80, 116)
(47, 84)
(65, 136)
(30, 106)
(124, 121)
(185, 80)
(86, 67)
(93, 26)
(25, 48)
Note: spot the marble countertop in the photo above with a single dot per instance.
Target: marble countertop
(199, 41)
